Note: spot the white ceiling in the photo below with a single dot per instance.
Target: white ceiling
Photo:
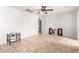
(56, 9)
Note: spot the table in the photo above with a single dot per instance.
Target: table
(13, 37)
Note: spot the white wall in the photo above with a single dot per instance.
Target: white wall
(78, 24)
(67, 21)
(14, 20)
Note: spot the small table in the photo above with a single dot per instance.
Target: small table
(13, 37)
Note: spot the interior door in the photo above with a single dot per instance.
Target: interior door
(39, 26)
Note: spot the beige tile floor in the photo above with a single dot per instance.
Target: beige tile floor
(42, 43)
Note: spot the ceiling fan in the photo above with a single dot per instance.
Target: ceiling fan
(43, 10)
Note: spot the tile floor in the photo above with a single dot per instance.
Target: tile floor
(42, 43)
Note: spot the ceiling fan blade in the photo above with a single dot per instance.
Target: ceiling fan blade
(33, 10)
(48, 10)
(29, 10)
(37, 9)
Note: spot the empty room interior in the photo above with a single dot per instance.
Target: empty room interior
(39, 29)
